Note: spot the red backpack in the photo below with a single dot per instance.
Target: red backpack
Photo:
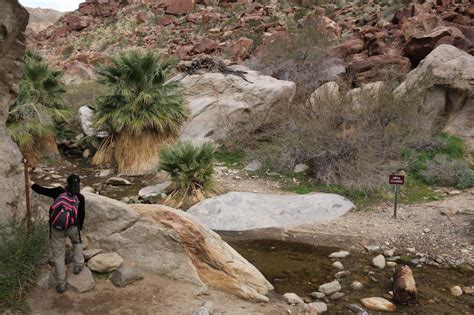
(63, 212)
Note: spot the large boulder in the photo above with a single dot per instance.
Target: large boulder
(448, 74)
(219, 102)
(376, 68)
(13, 21)
(239, 211)
(166, 241)
(419, 45)
(86, 115)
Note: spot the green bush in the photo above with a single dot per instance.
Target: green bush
(191, 169)
(440, 161)
(448, 172)
(19, 262)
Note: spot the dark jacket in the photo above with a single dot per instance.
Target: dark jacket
(55, 192)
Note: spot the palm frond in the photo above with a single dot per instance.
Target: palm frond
(140, 97)
(191, 170)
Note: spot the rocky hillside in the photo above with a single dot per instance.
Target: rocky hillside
(40, 18)
(368, 35)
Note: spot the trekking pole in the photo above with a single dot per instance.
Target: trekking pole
(27, 196)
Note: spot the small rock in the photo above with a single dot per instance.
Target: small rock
(106, 173)
(207, 308)
(125, 200)
(426, 230)
(342, 274)
(373, 248)
(88, 254)
(378, 304)
(105, 262)
(125, 275)
(317, 295)
(391, 264)
(468, 290)
(153, 191)
(82, 282)
(379, 262)
(118, 181)
(336, 296)
(337, 265)
(456, 290)
(86, 154)
(411, 250)
(318, 307)
(340, 254)
(292, 298)
(389, 252)
(330, 287)
(357, 309)
(46, 280)
(455, 192)
(356, 286)
(253, 166)
(300, 168)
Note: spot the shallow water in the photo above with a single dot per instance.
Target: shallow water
(301, 268)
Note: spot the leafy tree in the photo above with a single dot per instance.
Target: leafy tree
(191, 169)
(39, 107)
(142, 110)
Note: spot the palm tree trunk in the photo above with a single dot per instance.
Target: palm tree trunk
(105, 153)
(137, 154)
(44, 147)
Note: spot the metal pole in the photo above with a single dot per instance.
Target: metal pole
(27, 196)
(395, 202)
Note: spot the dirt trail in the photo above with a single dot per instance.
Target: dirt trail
(153, 295)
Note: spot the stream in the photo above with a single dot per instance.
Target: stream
(300, 268)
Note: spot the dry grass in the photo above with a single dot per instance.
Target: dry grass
(137, 154)
(354, 140)
(42, 148)
(105, 154)
(132, 154)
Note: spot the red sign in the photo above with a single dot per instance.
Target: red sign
(396, 179)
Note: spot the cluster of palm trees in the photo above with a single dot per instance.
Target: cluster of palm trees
(142, 111)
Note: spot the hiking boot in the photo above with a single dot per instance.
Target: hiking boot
(60, 288)
(77, 269)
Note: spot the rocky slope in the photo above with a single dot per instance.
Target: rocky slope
(40, 19)
(13, 20)
(372, 35)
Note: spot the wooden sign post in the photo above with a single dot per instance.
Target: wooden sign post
(27, 196)
(396, 180)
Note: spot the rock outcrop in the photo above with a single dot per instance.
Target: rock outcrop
(448, 74)
(166, 241)
(13, 21)
(239, 211)
(220, 101)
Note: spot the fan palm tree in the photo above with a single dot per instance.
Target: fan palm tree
(191, 170)
(38, 108)
(142, 110)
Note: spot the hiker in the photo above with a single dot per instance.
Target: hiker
(66, 219)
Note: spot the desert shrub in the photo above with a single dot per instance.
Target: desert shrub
(19, 262)
(354, 140)
(448, 172)
(67, 52)
(299, 55)
(420, 153)
(191, 169)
